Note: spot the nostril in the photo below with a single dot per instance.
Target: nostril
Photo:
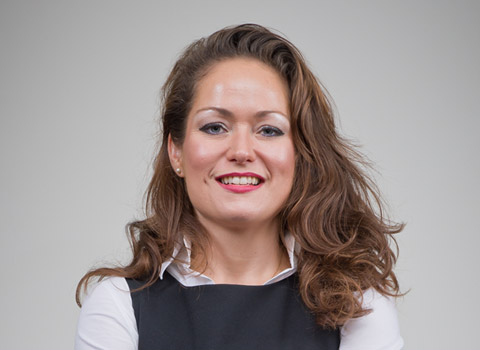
(241, 156)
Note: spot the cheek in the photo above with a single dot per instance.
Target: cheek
(198, 155)
(284, 159)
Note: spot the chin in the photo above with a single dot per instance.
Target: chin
(239, 217)
(246, 218)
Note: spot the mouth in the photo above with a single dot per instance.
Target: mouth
(240, 179)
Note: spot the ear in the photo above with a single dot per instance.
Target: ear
(175, 155)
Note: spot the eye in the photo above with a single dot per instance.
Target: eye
(213, 128)
(270, 131)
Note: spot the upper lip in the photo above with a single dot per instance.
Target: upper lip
(240, 174)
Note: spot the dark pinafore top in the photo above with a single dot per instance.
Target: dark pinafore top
(221, 316)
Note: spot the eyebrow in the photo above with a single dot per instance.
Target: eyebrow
(228, 114)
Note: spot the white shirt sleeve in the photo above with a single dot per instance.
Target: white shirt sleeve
(379, 330)
(107, 320)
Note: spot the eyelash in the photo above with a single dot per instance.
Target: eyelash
(208, 128)
(277, 131)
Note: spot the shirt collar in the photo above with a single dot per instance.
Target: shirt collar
(181, 260)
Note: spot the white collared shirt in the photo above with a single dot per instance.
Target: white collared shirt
(107, 319)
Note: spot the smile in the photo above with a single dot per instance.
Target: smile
(240, 182)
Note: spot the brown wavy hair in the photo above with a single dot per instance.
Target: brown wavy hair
(334, 210)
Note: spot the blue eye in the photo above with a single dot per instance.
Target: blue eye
(213, 128)
(270, 131)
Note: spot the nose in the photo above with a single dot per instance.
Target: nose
(241, 148)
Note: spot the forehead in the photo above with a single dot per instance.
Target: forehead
(242, 82)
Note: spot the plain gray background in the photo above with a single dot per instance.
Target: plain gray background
(79, 83)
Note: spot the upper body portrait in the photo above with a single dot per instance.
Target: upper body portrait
(261, 229)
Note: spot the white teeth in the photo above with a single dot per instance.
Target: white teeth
(240, 180)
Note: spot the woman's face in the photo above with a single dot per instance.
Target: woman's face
(238, 157)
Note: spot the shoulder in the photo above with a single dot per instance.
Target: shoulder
(109, 286)
(378, 330)
(111, 294)
(106, 318)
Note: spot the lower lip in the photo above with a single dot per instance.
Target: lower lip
(240, 188)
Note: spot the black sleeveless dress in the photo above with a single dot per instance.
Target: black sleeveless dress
(222, 316)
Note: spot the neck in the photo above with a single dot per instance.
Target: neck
(249, 256)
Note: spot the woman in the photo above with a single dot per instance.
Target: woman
(262, 231)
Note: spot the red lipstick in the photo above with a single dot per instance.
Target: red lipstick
(240, 188)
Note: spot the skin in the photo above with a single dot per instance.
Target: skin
(239, 122)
